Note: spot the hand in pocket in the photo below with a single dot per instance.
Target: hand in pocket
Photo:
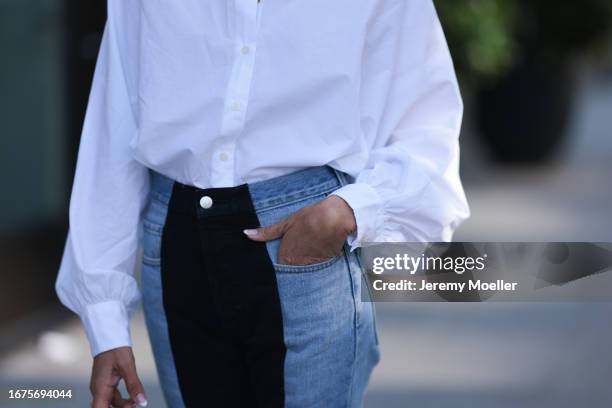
(312, 234)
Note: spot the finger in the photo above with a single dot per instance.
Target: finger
(102, 391)
(119, 402)
(133, 384)
(102, 397)
(270, 233)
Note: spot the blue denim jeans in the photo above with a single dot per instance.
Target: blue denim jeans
(329, 335)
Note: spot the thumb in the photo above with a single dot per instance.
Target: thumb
(133, 384)
(270, 233)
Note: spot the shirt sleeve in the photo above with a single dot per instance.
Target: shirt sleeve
(409, 188)
(96, 273)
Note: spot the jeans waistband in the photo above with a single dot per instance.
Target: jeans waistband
(265, 195)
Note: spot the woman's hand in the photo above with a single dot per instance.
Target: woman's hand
(313, 234)
(108, 369)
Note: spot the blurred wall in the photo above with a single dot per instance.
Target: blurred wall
(32, 146)
(49, 48)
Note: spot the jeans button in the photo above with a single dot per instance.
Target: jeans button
(206, 202)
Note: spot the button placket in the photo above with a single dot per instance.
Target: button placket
(237, 92)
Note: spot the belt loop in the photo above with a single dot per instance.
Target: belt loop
(341, 176)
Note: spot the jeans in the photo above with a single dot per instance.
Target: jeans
(229, 325)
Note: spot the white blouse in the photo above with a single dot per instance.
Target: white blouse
(223, 92)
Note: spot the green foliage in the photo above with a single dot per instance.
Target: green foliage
(480, 35)
(487, 37)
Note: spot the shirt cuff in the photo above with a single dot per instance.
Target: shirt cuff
(107, 326)
(366, 205)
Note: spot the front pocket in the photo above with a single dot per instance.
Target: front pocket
(151, 251)
(153, 222)
(151, 241)
(307, 268)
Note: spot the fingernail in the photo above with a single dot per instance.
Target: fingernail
(141, 400)
(250, 232)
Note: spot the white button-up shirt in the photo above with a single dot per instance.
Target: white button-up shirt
(223, 92)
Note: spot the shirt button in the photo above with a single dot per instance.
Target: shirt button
(206, 202)
(223, 156)
(245, 50)
(236, 106)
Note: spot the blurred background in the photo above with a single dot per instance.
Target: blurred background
(536, 163)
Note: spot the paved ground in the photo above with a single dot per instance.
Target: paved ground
(451, 355)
